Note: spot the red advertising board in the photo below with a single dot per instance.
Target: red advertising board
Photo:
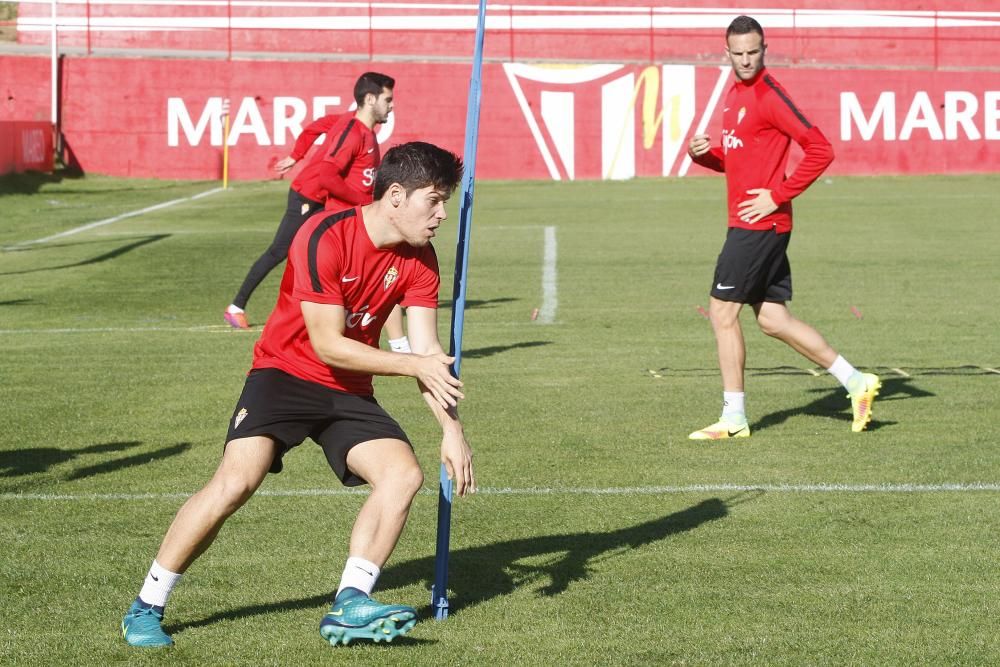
(25, 146)
(162, 117)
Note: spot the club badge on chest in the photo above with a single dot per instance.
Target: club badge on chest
(390, 277)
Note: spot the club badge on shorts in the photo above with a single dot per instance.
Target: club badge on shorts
(240, 416)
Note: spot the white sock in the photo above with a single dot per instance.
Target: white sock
(399, 344)
(733, 408)
(843, 371)
(359, 573)
(234, 309)
(158, 585)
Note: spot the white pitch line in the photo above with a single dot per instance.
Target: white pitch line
(556, 491)
(769, 488)
(211, 328)
(550, 297)
(900, 371)
(108, 221)
(991, 370)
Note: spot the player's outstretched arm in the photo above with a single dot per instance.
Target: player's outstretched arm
(456, 455)
(310, 133)
(284, 164)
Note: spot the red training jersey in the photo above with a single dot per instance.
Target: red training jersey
(341, 173)
(333, 261)
(759, 122)
(310, 133)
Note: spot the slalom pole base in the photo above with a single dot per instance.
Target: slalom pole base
(440, 605)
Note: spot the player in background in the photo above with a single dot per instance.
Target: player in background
(338, 176)
(312, 377)
(759, 123)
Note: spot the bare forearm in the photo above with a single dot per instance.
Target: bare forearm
(456, 455)
(352, 355)
(446, 418)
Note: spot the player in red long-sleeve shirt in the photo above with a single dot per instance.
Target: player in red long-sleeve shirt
(759, 123)
(338, 176)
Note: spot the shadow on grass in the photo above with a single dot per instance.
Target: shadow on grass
(30, 182)
(20, 462)
(481, 352)
(553, 561)
(967, 370)
(486, 572)
(833, 403)
(129, 461)
(25, 462)
(112, 254)
(476, 303)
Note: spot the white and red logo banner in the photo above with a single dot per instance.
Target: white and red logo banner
(164, 118)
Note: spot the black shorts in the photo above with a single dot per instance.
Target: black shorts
(289, 410)
(753, 267)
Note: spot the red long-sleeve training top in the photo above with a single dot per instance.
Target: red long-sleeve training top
(759, 123)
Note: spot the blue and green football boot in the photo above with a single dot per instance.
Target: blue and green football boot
(355, 615)
(141, 626)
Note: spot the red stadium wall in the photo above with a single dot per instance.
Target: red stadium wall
(898, 87)
(950, 34)
(161, 118)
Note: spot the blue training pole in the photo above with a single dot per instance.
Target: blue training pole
(439, 591)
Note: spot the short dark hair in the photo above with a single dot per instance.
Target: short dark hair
(373, 83)
(416, 165)
(743, 25)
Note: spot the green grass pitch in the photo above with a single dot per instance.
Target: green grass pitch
(601, 534)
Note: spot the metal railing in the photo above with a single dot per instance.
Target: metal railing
(945, 38)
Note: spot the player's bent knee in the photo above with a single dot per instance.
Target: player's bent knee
(724, 315)
(230, 489)
(772, 329)
(411, 480)
(231, 495)
(404, 483)
(387, 464)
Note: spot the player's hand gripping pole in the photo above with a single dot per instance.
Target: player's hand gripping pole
(439, 591)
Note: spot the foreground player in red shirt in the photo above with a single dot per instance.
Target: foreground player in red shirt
(338, 176)
(312, 377)
(759, 122)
